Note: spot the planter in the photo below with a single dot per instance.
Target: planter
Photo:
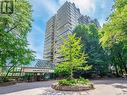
(7, 83)
(72, 88)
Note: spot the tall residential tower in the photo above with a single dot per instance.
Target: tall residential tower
(62, 23)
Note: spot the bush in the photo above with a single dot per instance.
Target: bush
(1, 80)
(64, 82)
(68, 82)
(83, 81)
(4, 79)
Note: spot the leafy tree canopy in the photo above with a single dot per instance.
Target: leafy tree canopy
(89, 38)
(73, 58)
(113, 35)
(13, 35)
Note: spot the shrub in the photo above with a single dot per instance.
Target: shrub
(83, 81)
(64, 82)
(72, 81)
(68, 82)
(4, 79)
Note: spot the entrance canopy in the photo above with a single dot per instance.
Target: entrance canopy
(37, 70)
(40, 66)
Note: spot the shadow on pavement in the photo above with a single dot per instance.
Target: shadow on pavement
(110, 81)
(24, 86)
(55, 92)
(120, 86)
(117, 83)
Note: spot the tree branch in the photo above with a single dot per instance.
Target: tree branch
(14, 26)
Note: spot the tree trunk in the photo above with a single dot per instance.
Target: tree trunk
(71, 76)
(123, 63)
(8, 72)
(13, 71)
(20, 73)
(71, 65)
(117, 73)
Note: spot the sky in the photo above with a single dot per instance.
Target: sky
(44, 9)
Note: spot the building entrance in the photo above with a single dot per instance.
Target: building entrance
(37, 74)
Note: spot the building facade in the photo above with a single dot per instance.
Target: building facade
(49, 39)
(62, 23)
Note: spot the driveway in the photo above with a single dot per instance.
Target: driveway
(102, 87)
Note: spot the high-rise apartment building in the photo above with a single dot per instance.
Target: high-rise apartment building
(62, 23)
(49, 39)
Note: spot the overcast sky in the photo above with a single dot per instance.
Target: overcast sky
(44, 9)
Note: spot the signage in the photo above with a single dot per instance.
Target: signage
(6, 7)
(37, 70)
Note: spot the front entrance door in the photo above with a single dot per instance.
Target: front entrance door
(37, 76)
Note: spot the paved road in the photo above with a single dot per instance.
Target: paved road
(102, 87)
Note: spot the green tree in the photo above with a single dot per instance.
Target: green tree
(114, 36)
(90, 40)
(73, 58)
(62, 71)
(14, 28)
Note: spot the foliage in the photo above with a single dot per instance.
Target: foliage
(68, 82)
(5, 79)
(62, 71)
(82, 81)
(90, 39)
(14, 28)
(113, 36)
(73, 58)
